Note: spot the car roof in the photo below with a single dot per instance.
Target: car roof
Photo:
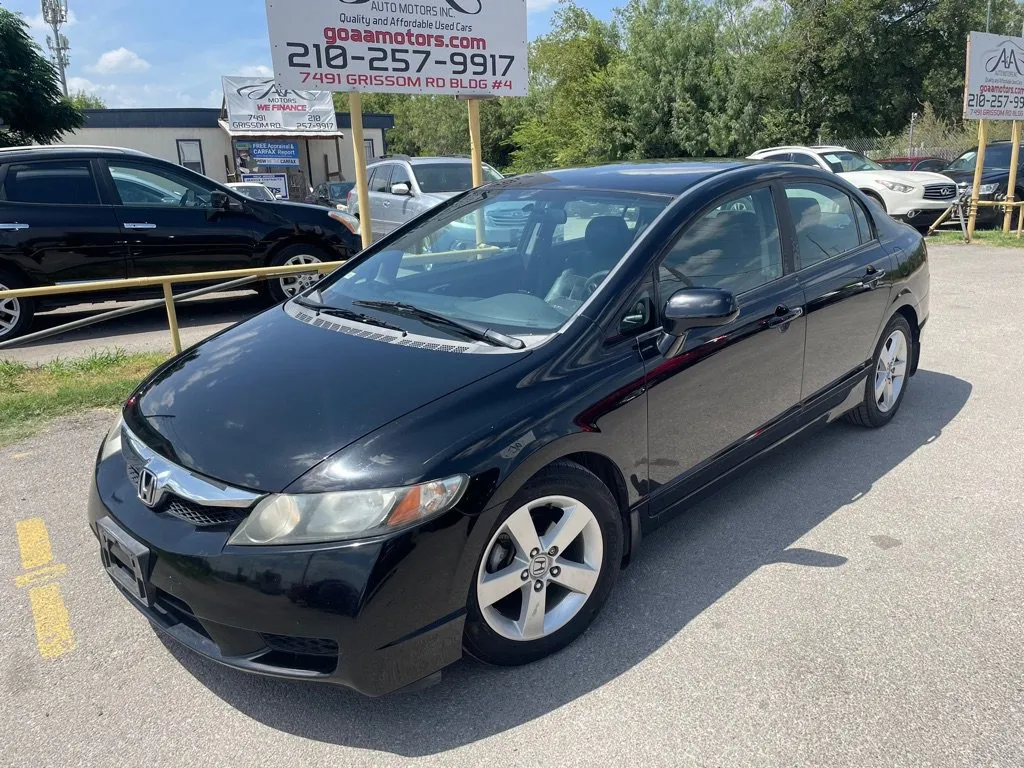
(657, 177)
(67, 150)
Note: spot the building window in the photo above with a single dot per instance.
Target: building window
(190, 155)
(369, 148)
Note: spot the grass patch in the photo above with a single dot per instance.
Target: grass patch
(32, 397)
(985, 237)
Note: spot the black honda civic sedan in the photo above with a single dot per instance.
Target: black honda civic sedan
(435, 452)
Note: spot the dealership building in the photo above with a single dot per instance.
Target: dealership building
(289, 140)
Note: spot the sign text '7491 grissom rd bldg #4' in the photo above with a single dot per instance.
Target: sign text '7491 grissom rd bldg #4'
(461, 47)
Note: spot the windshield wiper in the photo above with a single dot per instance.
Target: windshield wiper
(345, 314)
(471, 330)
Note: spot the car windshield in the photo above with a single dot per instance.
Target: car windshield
(896, 165)
(449, 177)
(519, 261)
(256, 192)
(845, 162)
(996, 156)
(338, 190)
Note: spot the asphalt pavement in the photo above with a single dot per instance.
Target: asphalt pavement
(857, 599)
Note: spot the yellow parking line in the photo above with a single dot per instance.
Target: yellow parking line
(53, 626)
(34, 542)
(40, 575)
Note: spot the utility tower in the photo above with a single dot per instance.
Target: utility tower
(55, 13)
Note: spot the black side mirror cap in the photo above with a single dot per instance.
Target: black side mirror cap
(690, 308)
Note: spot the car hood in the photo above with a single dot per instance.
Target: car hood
(440, 197)
(262, 403)
(991, 176)
(911, 178)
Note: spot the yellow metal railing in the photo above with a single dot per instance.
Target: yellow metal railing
(165, 282)
(1008, 205)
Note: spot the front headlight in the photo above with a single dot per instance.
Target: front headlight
(895, 186)
(112, 442)
(987, 189)
(351, 222)
(317, 517)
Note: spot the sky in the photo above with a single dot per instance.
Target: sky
(147, 54)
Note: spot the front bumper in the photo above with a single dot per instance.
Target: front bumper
(376, 616)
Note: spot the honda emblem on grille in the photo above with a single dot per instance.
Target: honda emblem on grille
(148, 490)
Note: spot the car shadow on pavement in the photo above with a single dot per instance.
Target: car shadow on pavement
(681, 570)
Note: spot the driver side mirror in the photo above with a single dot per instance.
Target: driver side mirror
(401, 188)
(690, 308)
(220, 200)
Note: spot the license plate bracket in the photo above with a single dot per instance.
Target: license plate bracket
(125, 560)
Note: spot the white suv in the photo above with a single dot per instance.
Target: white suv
(916, 197)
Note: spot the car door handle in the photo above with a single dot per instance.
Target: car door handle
(14, 227)
(139, 225)
(874, 277)
(784, 315)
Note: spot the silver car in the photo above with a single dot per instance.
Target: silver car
(402, 188)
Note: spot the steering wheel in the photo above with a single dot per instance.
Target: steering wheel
(187, 198)
(595, 280)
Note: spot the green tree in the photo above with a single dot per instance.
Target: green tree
(84, 100)
(32, 108)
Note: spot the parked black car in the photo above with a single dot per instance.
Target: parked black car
(331, 193)
(995, 177)
(89, 213)
(432, 452)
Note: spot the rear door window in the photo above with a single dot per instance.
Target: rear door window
(381, 178)
(53, 182)
(825, 222)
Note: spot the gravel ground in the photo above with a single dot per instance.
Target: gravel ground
(855, 600)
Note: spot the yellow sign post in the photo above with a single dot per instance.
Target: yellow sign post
(979, 167)
(473, 105)
(355, 108)
(1014, 156)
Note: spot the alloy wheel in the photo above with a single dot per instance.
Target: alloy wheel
(891, 371)
(292, 285)
(540, 568)
(10, 313)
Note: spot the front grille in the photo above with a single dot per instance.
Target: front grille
(940, 191)
(203, 516)
(306, 646)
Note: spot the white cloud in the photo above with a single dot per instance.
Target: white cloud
(536, 6)
(118, 61)
(256, 70)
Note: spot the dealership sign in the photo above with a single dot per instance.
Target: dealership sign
(994, 85)
(461, 47)
(275, 182)
(270, 153)
(258, 104)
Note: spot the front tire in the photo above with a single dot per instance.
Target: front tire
(15, 314)
(890, 373)
(283, 288)
(547, 569)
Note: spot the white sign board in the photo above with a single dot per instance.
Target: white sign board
(994, 85)
(257, 104)
(460, 47)
(275, 182)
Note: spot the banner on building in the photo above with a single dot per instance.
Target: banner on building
(263, 154)
(994, 85)
(258, 104)
(461, 47)
(275, 182)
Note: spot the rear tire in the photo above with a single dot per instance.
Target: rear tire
(15, 314)
(888, 376)
(282, 288)
(548, 567)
